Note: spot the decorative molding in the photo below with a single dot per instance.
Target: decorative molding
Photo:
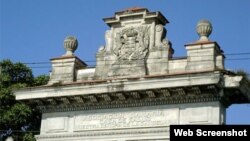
(65, 100)
(38, 101)
(106, 97)
(130, 99)
(121, 96)
(165, 92)
(79, 99)
(151, 94)
(93, 98)
(212, 89)
(52, 101)
(196, 90)
(105, 133)
(131, 103)
(136, 95)
(180, 91)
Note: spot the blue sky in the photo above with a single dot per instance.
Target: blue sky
(33, 31)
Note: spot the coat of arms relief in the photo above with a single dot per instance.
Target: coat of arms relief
(130, 49)
(131, 45)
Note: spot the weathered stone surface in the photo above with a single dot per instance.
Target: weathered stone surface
(204, 56)
(123, 124)
(137, 88)
(65, 69)
(204, 29)
(70, 45)
(135, 46)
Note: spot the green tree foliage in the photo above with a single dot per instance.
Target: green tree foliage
(16, 118)
(40, 80)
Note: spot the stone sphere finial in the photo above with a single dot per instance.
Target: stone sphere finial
(204, 29)
(70, 45)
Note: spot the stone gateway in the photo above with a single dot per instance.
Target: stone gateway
(137, 89)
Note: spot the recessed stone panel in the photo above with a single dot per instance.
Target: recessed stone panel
(126, 119)
(196, 115)
(56, 124)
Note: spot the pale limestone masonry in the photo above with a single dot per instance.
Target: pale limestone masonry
(137, 88)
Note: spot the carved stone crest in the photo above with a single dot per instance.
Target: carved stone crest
(131, 44)
(130, 50)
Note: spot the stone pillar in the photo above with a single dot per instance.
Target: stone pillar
(64, 68)
(204, 54)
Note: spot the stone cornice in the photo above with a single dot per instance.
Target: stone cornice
(78, 60)
(192, 88)
(116, 19)
(120, 85)
(164, 130)
(151, 97)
